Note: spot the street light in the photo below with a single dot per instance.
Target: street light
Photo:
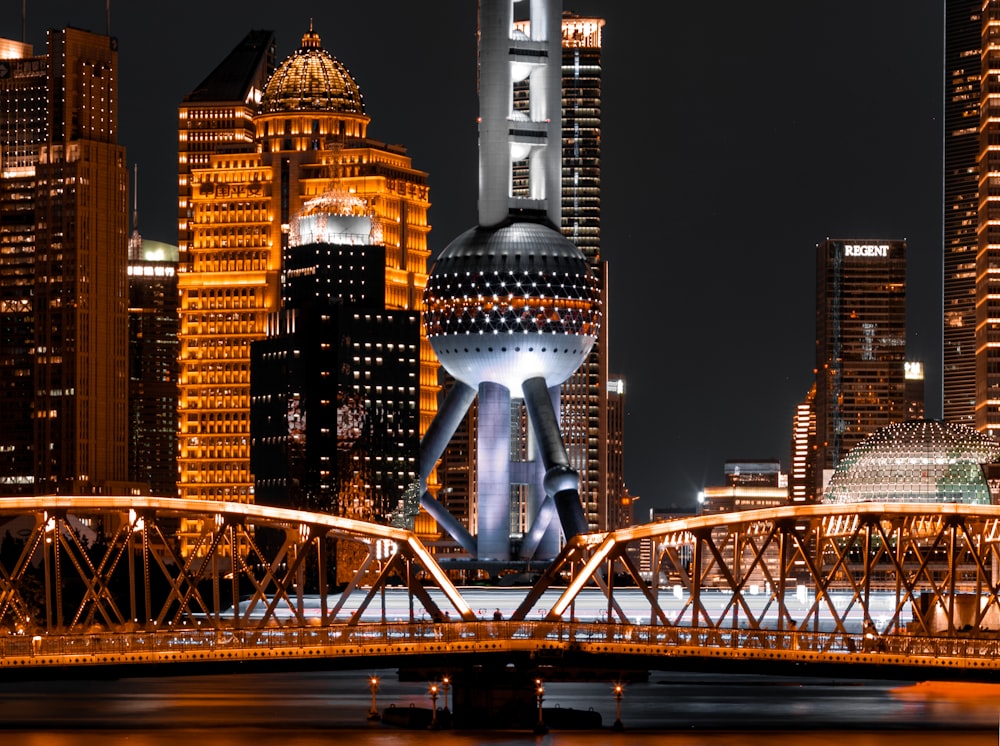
(373, 685)
(446, 683)
(540, 695)
(619, 691)
(434, 705)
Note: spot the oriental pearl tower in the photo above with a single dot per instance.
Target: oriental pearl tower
(511, 308)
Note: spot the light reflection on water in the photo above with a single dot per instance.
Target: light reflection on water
(321, 708)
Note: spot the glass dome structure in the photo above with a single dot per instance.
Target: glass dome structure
(923, 461)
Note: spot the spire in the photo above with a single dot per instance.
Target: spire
(135, 240)
(311, 38)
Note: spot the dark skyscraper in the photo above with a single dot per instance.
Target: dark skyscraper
(63, 286)
(334, 394)
(963, 31)
(860, 344)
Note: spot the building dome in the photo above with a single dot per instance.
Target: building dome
(512, 302)
(917, 461)
(311, 79)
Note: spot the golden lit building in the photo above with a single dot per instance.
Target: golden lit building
(309, 139)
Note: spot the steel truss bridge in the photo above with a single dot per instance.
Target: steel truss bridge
(904, 590)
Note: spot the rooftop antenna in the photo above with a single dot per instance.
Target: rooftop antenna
(135, 240)
(24, 20)
(107, 17)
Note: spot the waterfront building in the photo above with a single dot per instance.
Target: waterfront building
(860, 344)
(334, 413)
(962, 147)
(152, 369)
(802, 465)
(63, 268)
(255, 150)
(917, 461)
(749, 484)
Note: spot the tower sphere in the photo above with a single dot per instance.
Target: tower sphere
(311, 79)
(511, 302)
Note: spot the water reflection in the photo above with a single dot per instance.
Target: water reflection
(677, 709)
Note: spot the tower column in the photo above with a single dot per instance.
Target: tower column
(493, 472)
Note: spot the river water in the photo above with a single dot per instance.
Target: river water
(676, 709)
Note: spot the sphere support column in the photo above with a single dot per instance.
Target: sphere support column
(442, 428)
(493, 472)
(562, 483)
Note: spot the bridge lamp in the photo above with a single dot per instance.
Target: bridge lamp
(434, 707)
(373, 685)
(540, 696)
(446, 683)
(619, 692)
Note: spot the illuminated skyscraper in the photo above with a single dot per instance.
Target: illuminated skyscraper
(988, 248)
(152, 348)
(963, 31)
(860, 344)
(63, 244)
(309, 139)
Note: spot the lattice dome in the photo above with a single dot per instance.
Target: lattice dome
(917, 461)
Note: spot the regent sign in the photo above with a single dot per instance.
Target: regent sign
(866, 249)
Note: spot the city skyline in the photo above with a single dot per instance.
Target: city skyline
(735, 158)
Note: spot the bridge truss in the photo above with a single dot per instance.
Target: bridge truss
(73, 564)
(801, 568)
(70, 564)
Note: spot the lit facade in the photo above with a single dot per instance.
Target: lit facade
(63, 287)
(309, 139)
(963, 30)
(860, 344)
(152, 348)
(987, 418)
(749, 485)
(802, 464)
(916, 461)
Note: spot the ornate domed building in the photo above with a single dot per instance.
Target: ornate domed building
(917, 461)
(312, 80)
(265, 150)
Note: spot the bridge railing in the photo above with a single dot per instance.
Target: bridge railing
(373, 640)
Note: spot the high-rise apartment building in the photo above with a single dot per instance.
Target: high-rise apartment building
(254, 150)
(963, 32)
(63, 268)
(860, 344)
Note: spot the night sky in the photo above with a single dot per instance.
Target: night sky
(735, 137)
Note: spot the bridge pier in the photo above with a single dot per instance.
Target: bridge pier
(486, 695)
(505, 696)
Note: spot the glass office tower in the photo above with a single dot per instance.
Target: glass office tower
(860, 344)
